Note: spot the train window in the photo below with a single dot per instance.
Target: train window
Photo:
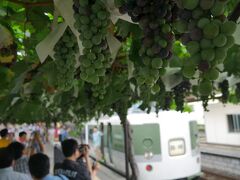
(193, 134)
(147, 142)
(90, 132)
(117, 137)
(176, 147)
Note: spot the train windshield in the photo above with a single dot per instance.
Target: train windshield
(146, 139)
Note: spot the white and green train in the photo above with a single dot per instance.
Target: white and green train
(165, 147)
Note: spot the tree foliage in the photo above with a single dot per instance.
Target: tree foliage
(154, 64)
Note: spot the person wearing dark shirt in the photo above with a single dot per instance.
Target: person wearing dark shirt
(84, 162)
(69, 167)
(4, 140)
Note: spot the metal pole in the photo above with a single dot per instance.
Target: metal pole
(126, 149)
(86, 134)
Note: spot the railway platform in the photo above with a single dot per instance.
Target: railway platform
(231, 151)
(220, 161)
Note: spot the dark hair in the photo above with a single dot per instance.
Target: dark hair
(39, 165)
(22, 133)
(6, 158)
(17, 149)
(4, 132)
(69, 147)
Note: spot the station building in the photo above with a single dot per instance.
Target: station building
(222, 124)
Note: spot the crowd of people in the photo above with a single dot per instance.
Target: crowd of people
(24, 158)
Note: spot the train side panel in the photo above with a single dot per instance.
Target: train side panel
(165, 147)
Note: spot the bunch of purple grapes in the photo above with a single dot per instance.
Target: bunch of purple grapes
(224, 86)
(154, 18)
(180, 93)
(167, 101)
(237, 91)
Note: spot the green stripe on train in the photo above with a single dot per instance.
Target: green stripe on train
(146, 137)
(140, 133)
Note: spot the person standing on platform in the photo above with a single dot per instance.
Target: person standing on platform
(22, 138)
(4, 141)
(97, 136)
(36, 145)
(84, 162)
(63, 134)
(69, 167)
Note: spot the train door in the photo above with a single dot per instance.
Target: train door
(102, 139)
(194, 137)
(109, 142)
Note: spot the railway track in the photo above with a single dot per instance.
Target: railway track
(211, 176)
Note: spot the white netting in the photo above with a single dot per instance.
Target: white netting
(171, 78)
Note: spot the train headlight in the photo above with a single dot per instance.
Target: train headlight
(149, 167)
(148, 155)
(176, 147)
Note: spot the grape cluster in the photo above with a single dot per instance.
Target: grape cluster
(233, 58)
(224, 86)
(179, 92)
(100, 90)
(204, 100)
(237, 91)
(92, 21)
(207, 34)
(65, 60)
(167, 101)
(154, 18)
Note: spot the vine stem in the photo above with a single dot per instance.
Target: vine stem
(36, 4)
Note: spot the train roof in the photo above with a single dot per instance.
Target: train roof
(142, 117)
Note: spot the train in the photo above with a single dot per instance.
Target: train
(165, 146)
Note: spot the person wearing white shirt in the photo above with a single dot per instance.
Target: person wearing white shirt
(6, 169)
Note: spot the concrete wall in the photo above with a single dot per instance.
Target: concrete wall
(228, 167)
(217, 126)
